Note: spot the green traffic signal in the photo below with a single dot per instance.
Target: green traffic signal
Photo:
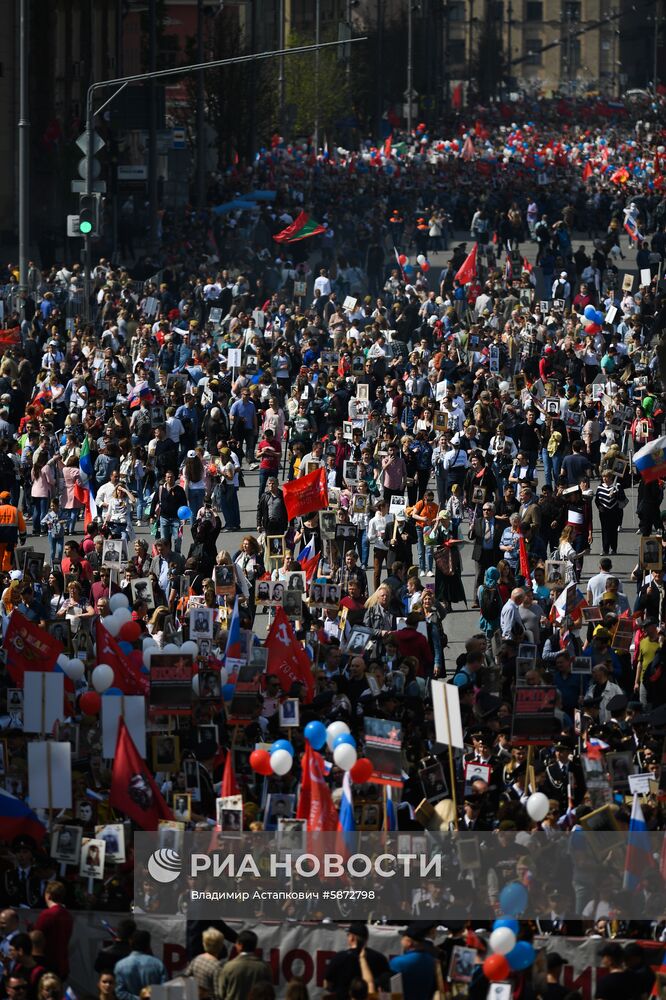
(85, 226)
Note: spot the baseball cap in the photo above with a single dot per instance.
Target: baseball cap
(191, 453)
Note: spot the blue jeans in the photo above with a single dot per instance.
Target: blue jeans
(363, 546)
(56, 546)
(72, 516)
(551, 467)
(195, 499)
(138, 488)
(264, 476)
(40, 507)
(169, 528)
(424, 551)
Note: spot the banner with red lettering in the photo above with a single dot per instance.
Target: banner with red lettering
(29, 647)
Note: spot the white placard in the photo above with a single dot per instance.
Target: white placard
(639, 784)
(185, 988)
(611, 314)
(448, 725)
(49, 775)
(150, 306)
(350, 303)
(397, 505)
(43, 701)
(440, 389)
(234, 357)
(646, 276)
(133, 709)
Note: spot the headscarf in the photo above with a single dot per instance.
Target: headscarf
(491, 578)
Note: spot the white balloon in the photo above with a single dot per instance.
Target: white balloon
(171, 647)
(345, 756)
(148, 652)
(111, 624)
(149, 641)
(420, 259)
(195, 684)
(63, 662)
(118, 601)
(281, 761)
(123, 615)
(102, 677)
(503, 940)
(334, 730)
(190, 648)
(75, 669)
(538, 806)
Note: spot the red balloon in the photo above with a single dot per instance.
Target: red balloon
(496, 968)
(130, 632)
(425, 266)
(90, 703)
(260, 761)
(361, 771)
(402, 260)
(592, 328)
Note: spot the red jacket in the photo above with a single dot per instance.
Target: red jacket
(411, 642)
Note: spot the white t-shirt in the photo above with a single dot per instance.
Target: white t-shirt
(323, 285)
(174, 429)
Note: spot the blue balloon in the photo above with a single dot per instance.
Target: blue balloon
(513, 925)
(460, 680)
(228, 691)
(184, 513)
(513, 899)
(315, 734)
(126, 647)
(599, 317)
(111, 690)
(409, 270)
(589, 312)
(344, 738)
(145, 670)
(521, 957)
(58, 669)
(282, 745)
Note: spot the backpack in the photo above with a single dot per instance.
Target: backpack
(490, 604)
(653, 672)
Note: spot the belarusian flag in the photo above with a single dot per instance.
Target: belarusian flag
(302, 227)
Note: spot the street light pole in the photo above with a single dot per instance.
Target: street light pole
(281, 45)
(24, 146)
(152, 125)
(409, 67)
(201, 123)
(656, 48)
(317, 31)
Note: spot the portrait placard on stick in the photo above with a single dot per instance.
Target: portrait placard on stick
(43, 701)
(133, 710)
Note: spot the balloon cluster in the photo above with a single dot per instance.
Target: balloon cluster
(409, 269)
(277, 760)
(509, 954)
(594, 318)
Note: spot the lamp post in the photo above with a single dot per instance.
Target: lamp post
(409, 66)
(317, 31)
(24, 147)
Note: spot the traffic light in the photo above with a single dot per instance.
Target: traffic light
(90, 215)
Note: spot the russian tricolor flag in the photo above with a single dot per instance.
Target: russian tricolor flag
(346, 823)
(308, 560)
(631, 227)
(18, 820)
(638, 860)
(232, 653)
(650, 461)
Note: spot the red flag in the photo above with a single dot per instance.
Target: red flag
(467, 269)
(286, 657)
(29, 647)
(306, 495)
(387, 145)
(315, 802)
(527, 266)
(457, 97)
(587, 170)
(524, 568)
(133, 788)
(229, 785)
(125, 675)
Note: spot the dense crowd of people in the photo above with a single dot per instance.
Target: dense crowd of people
(490, 403)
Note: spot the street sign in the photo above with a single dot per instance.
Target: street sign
(79, 187)
(97, 143)
(132, 172)
(96, 168)
(178, 139)
(73, 225)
